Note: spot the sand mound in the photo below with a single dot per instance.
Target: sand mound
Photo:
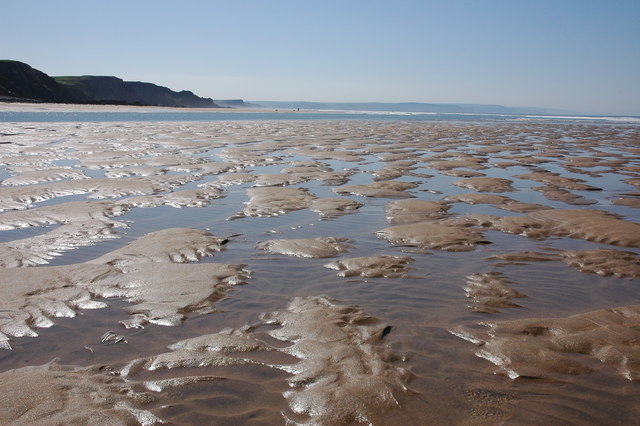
(126, 172)
(378, 189)
(83, 223)
(498, 201)
(485, 184)
(307, 247)
(235, 179)
(394, 170)
(168, 245)
(490, 291)
(166, 294)
(372, 266)
(280, 179)
(555, 193)
(408, 211)
(76, 211)
(210, 350)
(142, 272)
(52, 394)
(544, 347)
(19, 198)
(317, 171)
(432, 235)
(40, 249)
(274, 201)
(341, 371)
(590, 225)
(184, 198)
(43, 175)
(474, 198)
(555, 180)
(475, 163)
(604, 262)
(628, 202)
(345, 374)
(332, 207)
(462, 173)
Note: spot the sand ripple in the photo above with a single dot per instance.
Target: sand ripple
(372, 266)
(490, 291)
(485, 184)
(543, 347)
(52, 394)
(590, 225)
(342, 372)
(144, 273)
(378, 189)
(432, 235)
(408, 211)
(307, 247)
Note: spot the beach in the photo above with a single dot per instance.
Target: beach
(319, 271)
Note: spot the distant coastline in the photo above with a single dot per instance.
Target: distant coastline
(415, 107)
(19, 82)
(22, 84)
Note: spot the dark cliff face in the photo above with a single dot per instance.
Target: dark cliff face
(18, 81)
(21, 82)
(104, 89)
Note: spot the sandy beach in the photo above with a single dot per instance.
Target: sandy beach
(43, 107)
(318, 271)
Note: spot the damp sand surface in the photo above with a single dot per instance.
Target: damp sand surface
(319, 272)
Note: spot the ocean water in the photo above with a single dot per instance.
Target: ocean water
(124, 116)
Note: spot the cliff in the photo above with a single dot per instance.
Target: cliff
(20, 82)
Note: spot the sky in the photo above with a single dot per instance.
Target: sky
(577, 55)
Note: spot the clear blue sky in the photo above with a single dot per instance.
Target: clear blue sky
(580, 55)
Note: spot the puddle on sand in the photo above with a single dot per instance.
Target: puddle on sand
(467, 265)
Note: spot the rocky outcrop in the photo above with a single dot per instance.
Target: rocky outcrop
(20, 82)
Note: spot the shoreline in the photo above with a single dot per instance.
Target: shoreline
(44, 107)
(25, 107)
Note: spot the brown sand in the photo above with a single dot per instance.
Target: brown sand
(143, 272)
(69, 190)
(274, 201)
(372, 266)
(407, 211)
(52, 394)
(431, 235)
(490, 291)
(590, 225)
(378, 189)
(485, 184)
(307, 247)
(343, 371)
(332, 207)
(542, 348)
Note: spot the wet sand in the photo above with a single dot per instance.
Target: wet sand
(322, 272)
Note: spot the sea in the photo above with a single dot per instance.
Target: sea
(129, 116)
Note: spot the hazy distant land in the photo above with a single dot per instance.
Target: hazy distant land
(418, 107)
